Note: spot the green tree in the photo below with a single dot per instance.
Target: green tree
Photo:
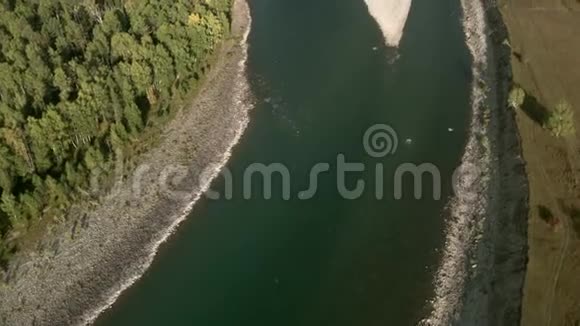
(113, 22)
(16, 140)
(31, 206)
(94, 158)
(50, 139)
(12, 208)
(560, 123)
(98, 51)
(124, 47)
(516, 98)
(76, 177)
(56, 194)
(64, 83)
(7, 175)
(132, 115)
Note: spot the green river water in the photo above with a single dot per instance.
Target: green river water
(321, 76)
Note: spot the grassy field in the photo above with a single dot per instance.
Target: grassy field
(545, 39)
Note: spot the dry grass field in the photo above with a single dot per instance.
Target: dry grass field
(545, 39)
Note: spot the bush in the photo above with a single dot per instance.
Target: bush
(517, 98)
(560, 123)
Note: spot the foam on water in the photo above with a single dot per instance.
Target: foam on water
(468, 211)
(391, 15)
(241, 95)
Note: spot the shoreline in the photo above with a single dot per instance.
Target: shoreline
(481, 276)
(75, 277)
(494, 292)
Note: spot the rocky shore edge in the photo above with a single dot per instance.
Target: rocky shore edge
(80, 268)
(481, 276)
(494, 290)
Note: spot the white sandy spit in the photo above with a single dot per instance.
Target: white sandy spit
(391, 15)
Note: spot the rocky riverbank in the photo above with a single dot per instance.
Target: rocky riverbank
(493, 296)
(481, 277)
(80, 269)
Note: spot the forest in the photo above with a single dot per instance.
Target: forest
(83, 80)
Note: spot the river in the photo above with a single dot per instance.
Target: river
(322, 76)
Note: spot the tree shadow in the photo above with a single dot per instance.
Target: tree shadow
(535, 110)
(545, 214)
(144, 107)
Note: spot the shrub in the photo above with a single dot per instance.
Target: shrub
(517, 98)
(560, 123)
